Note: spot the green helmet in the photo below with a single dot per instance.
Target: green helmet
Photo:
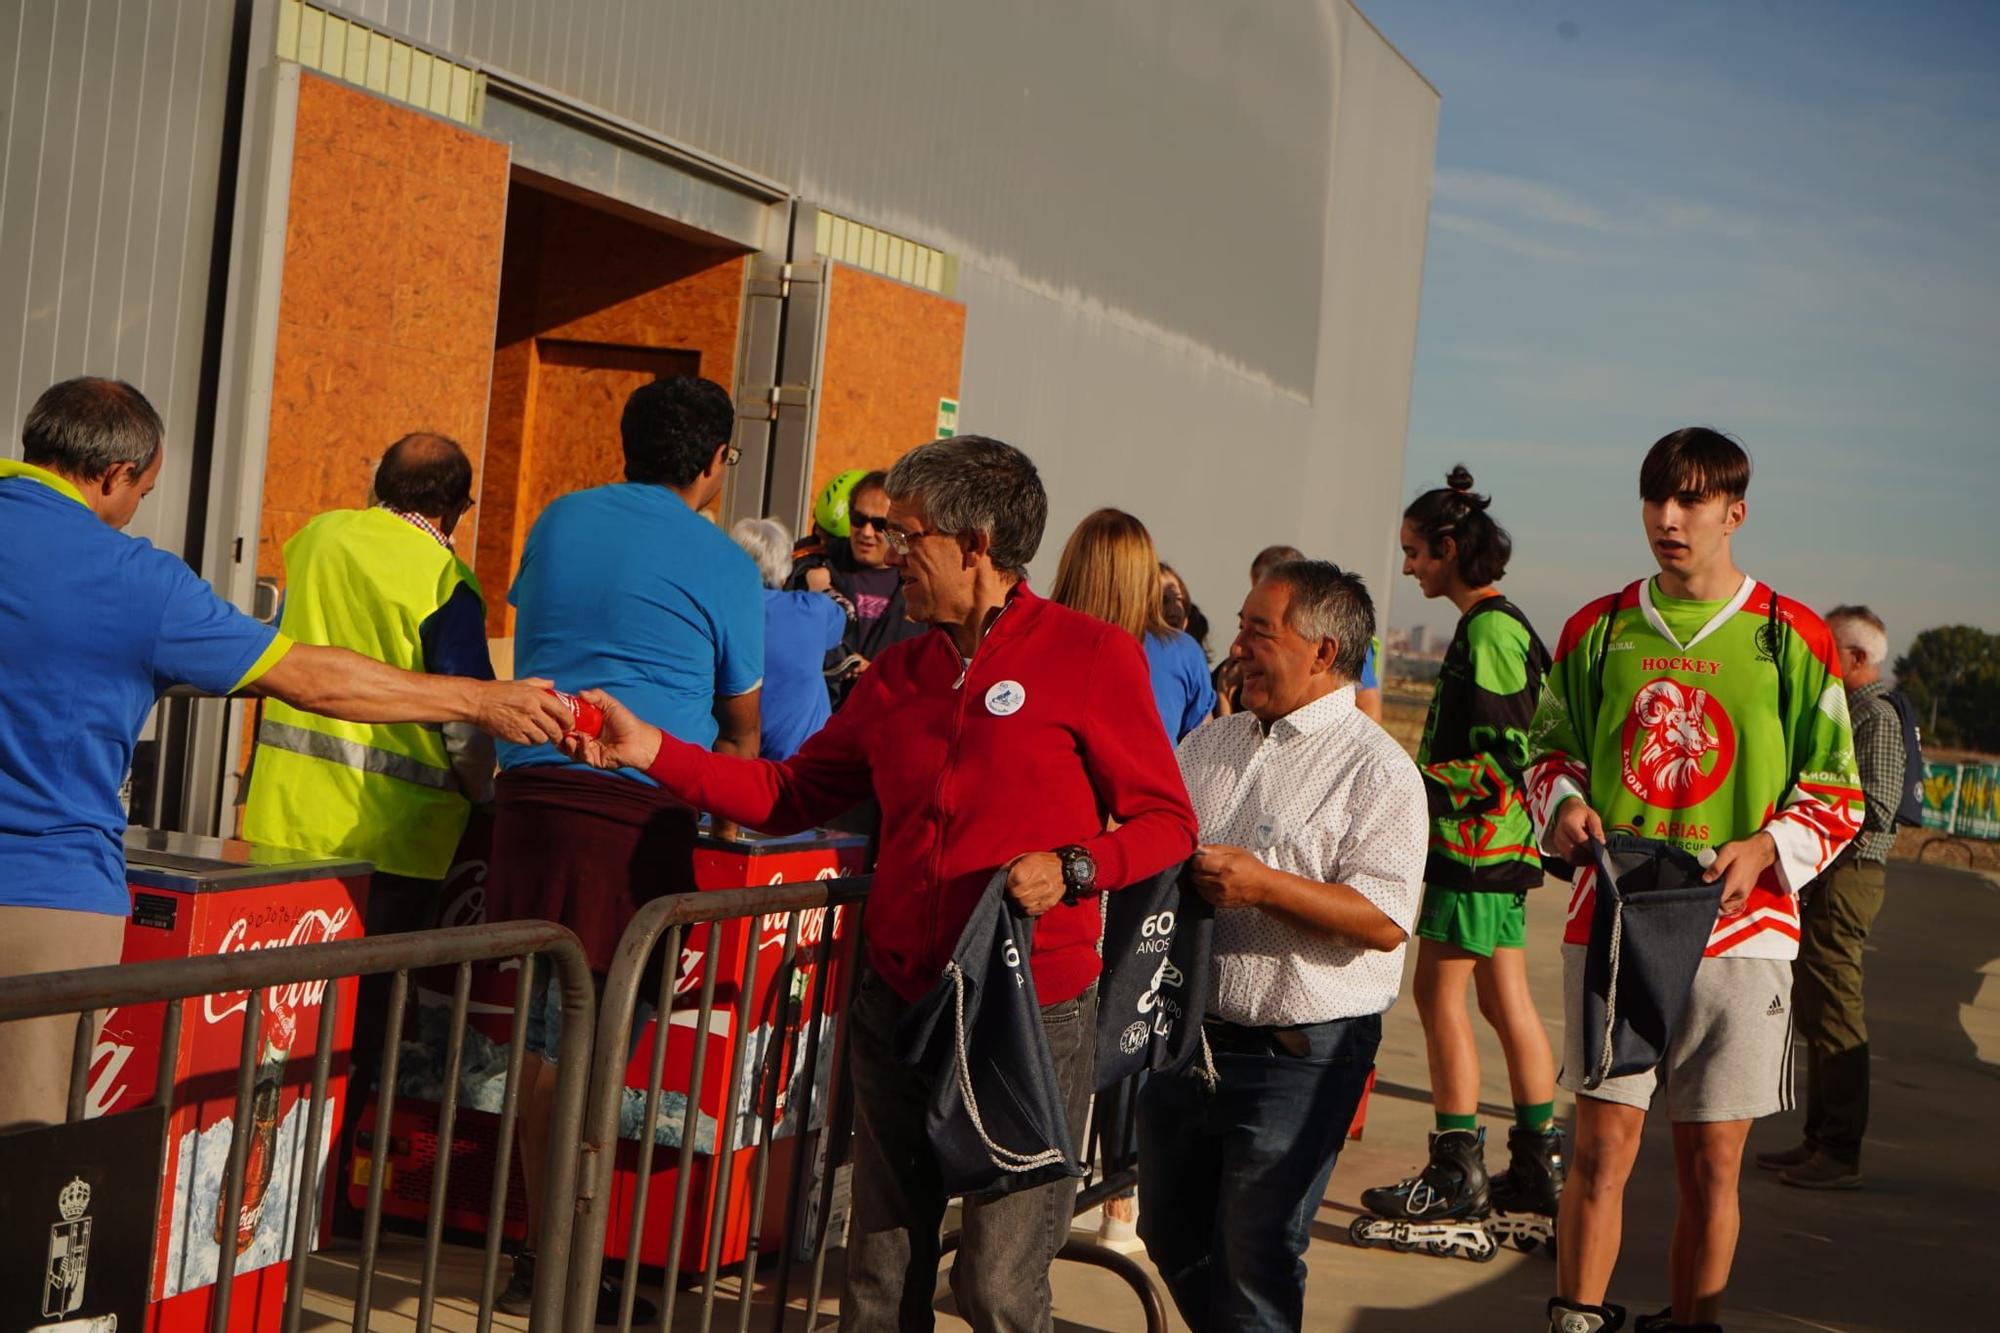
(830, 510)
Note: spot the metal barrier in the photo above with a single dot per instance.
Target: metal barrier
(89, 992)
(758, 1076)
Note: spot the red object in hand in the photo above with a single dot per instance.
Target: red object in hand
(586, 717)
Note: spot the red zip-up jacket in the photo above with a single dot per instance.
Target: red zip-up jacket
(1050, 731)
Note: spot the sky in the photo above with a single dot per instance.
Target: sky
(1778, 218)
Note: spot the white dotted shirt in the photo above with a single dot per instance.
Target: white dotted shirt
(1328, 796)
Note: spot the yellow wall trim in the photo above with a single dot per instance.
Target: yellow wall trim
(357, 54)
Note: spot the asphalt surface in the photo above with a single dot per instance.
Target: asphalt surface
(1915, 1248)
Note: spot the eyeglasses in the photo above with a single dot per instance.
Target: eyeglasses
(900, 541)
(879, 522)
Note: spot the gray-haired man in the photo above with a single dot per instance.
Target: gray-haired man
(1313, 835)
(1836, 912)
(1010, 735)
(93, 625)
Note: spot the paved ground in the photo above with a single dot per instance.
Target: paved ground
(1914, 1249)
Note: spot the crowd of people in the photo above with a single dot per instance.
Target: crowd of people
(897, 661)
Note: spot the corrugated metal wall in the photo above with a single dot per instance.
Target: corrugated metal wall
(1166, 160)
(1190, 231)
(109, 153)
(426, 21)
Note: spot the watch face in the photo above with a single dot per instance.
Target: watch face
(1083, 869)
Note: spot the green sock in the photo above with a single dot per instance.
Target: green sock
(1445, 1122)
(1536, 1117)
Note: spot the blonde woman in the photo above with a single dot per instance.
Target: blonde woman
(1109, 570)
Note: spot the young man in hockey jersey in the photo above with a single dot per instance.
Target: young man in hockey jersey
(1699, 708)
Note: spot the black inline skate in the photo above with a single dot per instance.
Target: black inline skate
(1526, 1193)
(1441, 1210)
(1570, 1317)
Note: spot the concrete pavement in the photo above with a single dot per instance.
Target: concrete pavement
(1913, 1249)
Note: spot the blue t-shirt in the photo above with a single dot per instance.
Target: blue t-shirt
(1181, 685)
(624, 588)
(1368, 679)
(800, 628)
(93, 626)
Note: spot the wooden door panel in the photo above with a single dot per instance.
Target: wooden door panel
(579, 395)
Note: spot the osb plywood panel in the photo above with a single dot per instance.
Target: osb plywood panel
(390, 289)
(592, 305)
(580, 394)
(892, 351)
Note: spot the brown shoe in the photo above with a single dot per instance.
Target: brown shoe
(1786, 1160)
(1823, 1173)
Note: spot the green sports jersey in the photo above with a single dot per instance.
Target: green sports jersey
(1699, 724)
(1475, 750)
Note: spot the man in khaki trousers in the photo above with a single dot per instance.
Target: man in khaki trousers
(1836, 912)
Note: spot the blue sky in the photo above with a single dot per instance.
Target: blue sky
(1781, 219)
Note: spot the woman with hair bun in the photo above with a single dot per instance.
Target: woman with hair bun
(1482, 862)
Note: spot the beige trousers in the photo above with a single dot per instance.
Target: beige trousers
(35, 1053)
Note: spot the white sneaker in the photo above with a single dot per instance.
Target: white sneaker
(1116, 1233)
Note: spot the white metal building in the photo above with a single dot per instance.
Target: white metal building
(1172, 248)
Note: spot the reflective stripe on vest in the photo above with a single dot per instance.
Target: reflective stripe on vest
(353, 754)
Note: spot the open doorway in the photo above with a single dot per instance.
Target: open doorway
(595, 299)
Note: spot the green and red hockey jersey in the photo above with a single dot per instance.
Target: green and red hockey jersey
(1699, 723)
(1475, 750)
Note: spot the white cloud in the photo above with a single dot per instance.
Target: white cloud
(1523, 199)
(1504, 237)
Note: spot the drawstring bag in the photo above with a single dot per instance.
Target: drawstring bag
(1158, 971)
(1651, 923)
(995, 1110)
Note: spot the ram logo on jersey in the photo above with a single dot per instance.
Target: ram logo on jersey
(1679, 745)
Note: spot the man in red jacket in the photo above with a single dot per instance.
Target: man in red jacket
(1012, 735)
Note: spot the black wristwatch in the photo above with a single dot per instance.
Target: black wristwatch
(1079, 872)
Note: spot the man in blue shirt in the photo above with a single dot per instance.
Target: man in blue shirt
(93, 626)
(631, 588)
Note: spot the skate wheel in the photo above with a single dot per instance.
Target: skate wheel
(1527, 1244)
(1402, 1246)
(1357, 1231)
(1486, 1255)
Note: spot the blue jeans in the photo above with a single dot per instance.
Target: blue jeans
(1229, 1181)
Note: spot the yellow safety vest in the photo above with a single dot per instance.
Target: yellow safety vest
(384, 792)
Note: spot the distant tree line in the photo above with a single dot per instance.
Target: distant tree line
(1952, 675)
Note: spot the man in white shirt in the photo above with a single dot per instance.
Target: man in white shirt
(1312, 850)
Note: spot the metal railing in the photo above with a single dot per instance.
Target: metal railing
(794, 1016)
(90, 992)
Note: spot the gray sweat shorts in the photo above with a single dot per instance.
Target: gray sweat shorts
(1731, 1058)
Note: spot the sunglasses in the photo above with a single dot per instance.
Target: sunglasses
(879, 522)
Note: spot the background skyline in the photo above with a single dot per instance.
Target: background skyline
(1779, 219)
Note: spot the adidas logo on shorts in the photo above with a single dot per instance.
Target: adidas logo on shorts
(1777, 1007)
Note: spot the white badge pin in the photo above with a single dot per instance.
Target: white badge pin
(1266, 833)
(1005, 698)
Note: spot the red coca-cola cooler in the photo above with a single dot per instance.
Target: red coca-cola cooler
(194, 896)
(720, 863)
(745, 861)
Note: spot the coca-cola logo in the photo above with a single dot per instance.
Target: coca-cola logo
(464, 895)
(313, 925)
(774, 926)
(107, 1070)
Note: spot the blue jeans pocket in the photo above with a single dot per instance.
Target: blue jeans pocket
(1345, 1041)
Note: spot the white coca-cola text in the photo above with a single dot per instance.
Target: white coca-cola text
(314, 925)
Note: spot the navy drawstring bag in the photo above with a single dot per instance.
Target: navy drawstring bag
(1158, 971)
(1651, 922)
(995, 1110)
